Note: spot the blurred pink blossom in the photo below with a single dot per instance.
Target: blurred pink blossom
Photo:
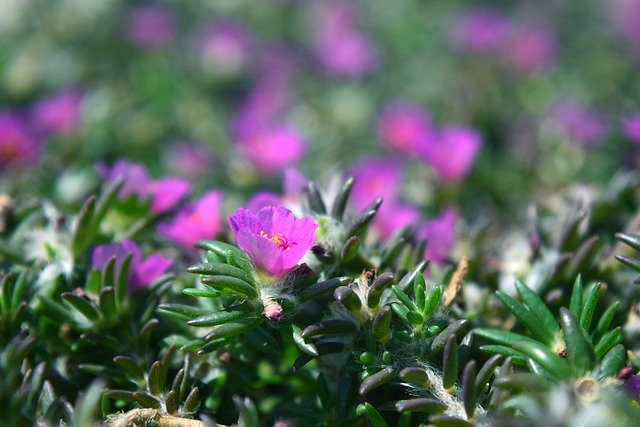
(440, 233)
(453, 152)
(17, 145)
(165, 193)
(198, 221)
(272, 149)
(142, 273)
(479, 30)
(187, 159)
(632, 128)
(626, 14)
(530, 48)
(340, 46)
(580, 124)
(59, 114)
(150, 26)
(403, 127)
(225, 46)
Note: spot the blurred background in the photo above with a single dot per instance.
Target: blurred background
(480, 105)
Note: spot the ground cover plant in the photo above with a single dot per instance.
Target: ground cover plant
(319, 213)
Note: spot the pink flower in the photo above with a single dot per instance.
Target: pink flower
(579, 123)
(480, 30)
(17, 146)
(530, 49)
(374, 178)
(187, 159)
(452, 154)
(59, 114)
(632, 128)
(340, 46)
(274, 240)
(199, 221)
(165, 193)
(272, 149)
(626, 14)
(403, 127)
(225, 46)
(633, 386)
(294, 184)
(392, 216)
(150, 26)
(142, 273)
(440, 233)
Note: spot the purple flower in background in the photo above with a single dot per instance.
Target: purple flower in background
(403, 127)
(626, 14)
(632, 128)
(294, 184)
(225, 46)
(142, 273)
(59, 114)
(340, 47)
(187, 159)
(272, 149)
(374, 178)
(391, 216)
(480, 30)
(274, 240)
(199, 221)
(633, 386)
(579, 123)
(17, 146)
(530, 48)
(453, 152)
(440, 233)
(166, 193)
(263, 199)
(150, 26)
(134, 175)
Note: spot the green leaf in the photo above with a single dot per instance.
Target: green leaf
(499, 336)
(232, 329)
(377, 288)
(201, 293)
(340, 202)
(382, 324)
(424, 405)
(547, 359)
(450, 362)
(376, 380)
(459, 328)
(81, 305)
(130, 367)
(330, 326)
(222, 249)
(575, 305)
(192, 401)
(308, 348)
(612, 362)
(350, 249)
(420, 292)
(501, 350)
(632, 240)
(183, 311)
(469, 388)
(94, 284)
(413, 375)
(401, 311)
(122, 281)
(536, 305)
(107, 301)
(82, 230)
(528, 319)
(605, 321)
(230, 314)
(231, 284)
(609, 339)
(374, 416)
(589, 306)
(157, 378)
(407, 280)
(404, 299)
(348, 298)
(220, 269)
(362, 220)
(579, 346)
(433, 300)
(486, 372)
(321, 288)
(146, 400)
(448, 421)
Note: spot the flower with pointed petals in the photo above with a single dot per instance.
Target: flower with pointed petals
(200, 221)
(274, 240)
(452, 154)
(142, 273)
(440, 233)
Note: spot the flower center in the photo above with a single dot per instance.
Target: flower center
(279, 239)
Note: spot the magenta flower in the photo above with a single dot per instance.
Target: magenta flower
(142, 273)
(374, 178)
(391, 216)
(294, 184)
(341, 48)
(274, 240)
(225, 46)
(530, 48)
(59, 114)
(199, 221)
(626, 14)
(579, 123)
(452, 154)
(186, 159)
(150, 26)
(164, 193)
(167, 193)
(263, 199)
(632, 128)
(480, 30)
(633, 386)
(17, 146)
(403, 127)
(272, 149)
(440, 233)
